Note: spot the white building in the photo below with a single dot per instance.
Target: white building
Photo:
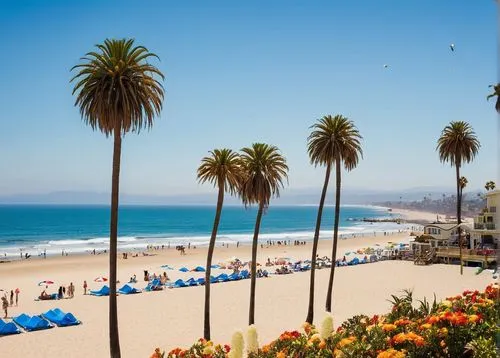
(487, 224)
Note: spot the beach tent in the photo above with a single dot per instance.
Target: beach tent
(199, 269)
(128, 290)
(104, 291)
(215, 266)
(60, 318)
(184, 269)
(8, 328)
(180, 283)
(166, 267)
(32, 323)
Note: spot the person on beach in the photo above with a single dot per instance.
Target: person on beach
(11, 298)
(5, 305)
(84, 287)
(17, 295)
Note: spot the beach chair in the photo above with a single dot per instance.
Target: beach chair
(180, 283)
(244, 274)
(215, 266)
(32, 323)
(233, 277)
(201, 281)
(154, 285)
(223, 277)
(7, 328)
(191, 282)
(104, 291)
(60, 319)
(128, 290)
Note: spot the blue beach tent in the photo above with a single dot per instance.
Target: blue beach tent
(60, 318)
(8, 328)
(199, 269)
(104, 291)
(180, 283)
(128, 290)
(184, 269)
(32, 323)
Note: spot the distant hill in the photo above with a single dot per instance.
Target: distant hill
(307, 196)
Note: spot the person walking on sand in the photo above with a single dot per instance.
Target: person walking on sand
(11, 298)
(84, 287)
(5, 305)
(17, 295)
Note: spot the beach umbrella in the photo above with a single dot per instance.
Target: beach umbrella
(45, 283)
(100, 279)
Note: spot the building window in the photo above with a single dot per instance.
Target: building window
(493, 209)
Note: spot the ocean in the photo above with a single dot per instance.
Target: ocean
(34, 229)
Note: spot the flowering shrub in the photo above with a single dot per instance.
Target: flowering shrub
(463, 325)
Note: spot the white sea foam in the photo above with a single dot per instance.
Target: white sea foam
(139, 243)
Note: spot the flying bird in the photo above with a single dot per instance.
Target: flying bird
(386, 66)
(452, 47)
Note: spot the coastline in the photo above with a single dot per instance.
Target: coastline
(174, 317)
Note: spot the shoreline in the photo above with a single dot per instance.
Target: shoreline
(140, 242)
(174, 317)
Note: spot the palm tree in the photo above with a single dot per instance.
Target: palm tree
(265, 171)
(223, 170)
(490, 185)
(457, 145)
(335, 140)
(117, 91)
(496, 93)
(325, 145)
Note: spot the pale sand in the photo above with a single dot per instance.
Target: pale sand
(174, 317)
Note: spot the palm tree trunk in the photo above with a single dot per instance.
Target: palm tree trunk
(459, 217)
(329, 292)
(253, 277)
(114, 340)
(208, 270)
(310, 308)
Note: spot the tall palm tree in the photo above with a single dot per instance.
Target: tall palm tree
(333, 141)
(490, 185)
(496, 93)
(457, 145)
(222, 169)
(265, 171)
(117, 91)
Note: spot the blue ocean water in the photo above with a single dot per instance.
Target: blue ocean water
(38, 228)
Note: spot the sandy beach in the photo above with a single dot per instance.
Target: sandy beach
(173, 317)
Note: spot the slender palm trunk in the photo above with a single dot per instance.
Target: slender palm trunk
(253, 277)
(329, 292)
(114, 340)
(459, 217)
(310, 307)
(208, 270)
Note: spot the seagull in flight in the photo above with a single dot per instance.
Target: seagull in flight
(452, 47)
(386, 66)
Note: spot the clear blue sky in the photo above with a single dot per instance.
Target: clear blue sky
(240, 72)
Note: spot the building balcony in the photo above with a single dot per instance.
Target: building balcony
(484, 226)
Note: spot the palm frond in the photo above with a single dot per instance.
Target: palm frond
(265, 173)
(335, 139)
(115, 86)
(457, 144)
(222, 168)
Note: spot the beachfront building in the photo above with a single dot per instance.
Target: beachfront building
(439, 234)
(487, 223)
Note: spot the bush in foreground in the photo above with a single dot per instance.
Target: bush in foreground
(460, 326)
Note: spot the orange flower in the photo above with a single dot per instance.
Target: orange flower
(388, 327)
(280, 354)
(473, 318)
(433, 319)
(425, 326)
(322, 344)
(345, 341)
(391, 353)
(442, 344)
